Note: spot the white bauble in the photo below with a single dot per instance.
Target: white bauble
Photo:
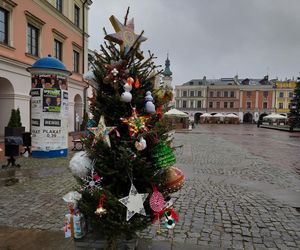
(141, 145)
(126, 97)
(80, 164)
(150, 107)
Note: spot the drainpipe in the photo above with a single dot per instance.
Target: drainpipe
(83, 56)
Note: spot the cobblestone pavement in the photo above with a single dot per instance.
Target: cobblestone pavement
(238, 183)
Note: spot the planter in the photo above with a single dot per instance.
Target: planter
(14, 131)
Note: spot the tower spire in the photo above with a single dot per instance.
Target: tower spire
(167, 71)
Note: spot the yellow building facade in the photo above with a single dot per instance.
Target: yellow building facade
(283, 95)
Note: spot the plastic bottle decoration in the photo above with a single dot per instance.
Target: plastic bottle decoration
(141, 145)
(150, 107)
(126, 96)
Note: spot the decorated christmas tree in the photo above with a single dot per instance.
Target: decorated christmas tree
(126, 173)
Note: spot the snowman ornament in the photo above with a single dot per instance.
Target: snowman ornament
(149, 106)
(126, 95)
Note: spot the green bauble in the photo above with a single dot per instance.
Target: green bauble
(163, 155)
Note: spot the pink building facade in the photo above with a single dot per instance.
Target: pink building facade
(33, 29)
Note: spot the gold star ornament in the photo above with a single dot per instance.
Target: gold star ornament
(124, 35)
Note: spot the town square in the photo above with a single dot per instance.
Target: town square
(172, 128)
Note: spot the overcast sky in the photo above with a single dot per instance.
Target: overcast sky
(212, 38)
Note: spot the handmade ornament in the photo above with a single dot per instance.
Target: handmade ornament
(159, 112)
(92, 181)
(137, 83)
(163, 155)
(126, 95)
(130, 81)
(100, 209)
(157, 201)
(116, 72)
(124, 35)
(149, 106)
(136, 124)
(134, 202)
(80, 164)
(170, 218)
(102, 132)
(132, 155)
(174, 180)
(140, 145)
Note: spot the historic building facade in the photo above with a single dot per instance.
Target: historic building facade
(283, 95)
(33, 29)
(250, 99)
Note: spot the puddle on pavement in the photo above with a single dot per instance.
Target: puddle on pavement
(11, 176)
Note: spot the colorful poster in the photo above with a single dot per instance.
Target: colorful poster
(49, 114)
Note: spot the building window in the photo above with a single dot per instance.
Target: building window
(76, 15)
(76, 61)
(211, 94)
(225, 93)
(225, 105)
(192, 93)
(199, 93)
(58, 49)
(210, 104)
(184, 93)
(191, 104)
(32, 40)
(4, 26)
(232, 105)
(199, 104)
(218, 105)
(218, 94)
(291, 94)
(231, 93)
(266, 94)
(248, 105)
(249, 93)
(281, 94)
(59, 5)
(265, 105)
(281, 105)
(184, 104)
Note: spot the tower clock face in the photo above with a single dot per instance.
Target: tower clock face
(128, 37)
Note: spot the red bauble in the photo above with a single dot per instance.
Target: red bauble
(174, 180)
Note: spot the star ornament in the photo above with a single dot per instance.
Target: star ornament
(134, 203)
(102, 132)
(136, 123)
(124, 35)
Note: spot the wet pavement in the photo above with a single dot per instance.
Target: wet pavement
(241, 192)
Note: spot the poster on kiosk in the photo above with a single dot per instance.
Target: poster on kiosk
(49, 108)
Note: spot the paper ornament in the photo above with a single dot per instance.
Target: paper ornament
(149, 106)
(140, 145)
(92, 181)
(102, 132)
(124, 35)
(134, 202)
(136, 124)
(80, 164)
(157, 201)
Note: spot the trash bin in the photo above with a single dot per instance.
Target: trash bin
(12, 149)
